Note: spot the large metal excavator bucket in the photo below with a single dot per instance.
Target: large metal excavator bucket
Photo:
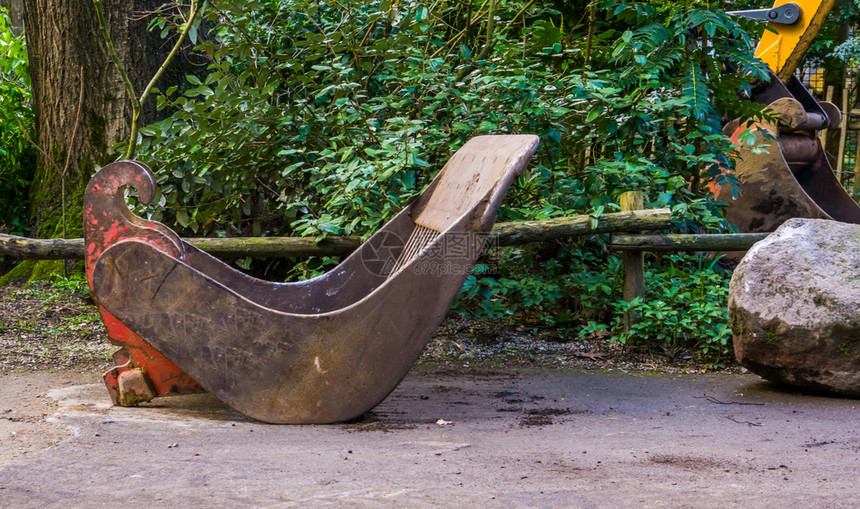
(791, 176)
(317, 351)
(786, 173)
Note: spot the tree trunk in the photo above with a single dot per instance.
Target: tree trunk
(78, 124)
(15, 8)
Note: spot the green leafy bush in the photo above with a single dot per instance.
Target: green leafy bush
(315, 120)
(570, 287)
(684, 310)
(17, 156)
(322, 121)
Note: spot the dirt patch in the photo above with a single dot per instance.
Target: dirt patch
(542, 416)
(465, 344)
(694, 463)
(819, 444)
(549, 411)
(370, 421)
(378, 426)
(25, 411)
(535, 420)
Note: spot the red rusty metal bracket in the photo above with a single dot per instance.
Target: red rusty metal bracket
(141, 372)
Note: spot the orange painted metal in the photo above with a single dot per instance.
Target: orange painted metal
(108, 222)
(783, 48)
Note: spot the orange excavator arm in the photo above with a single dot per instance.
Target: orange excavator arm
(783, 49)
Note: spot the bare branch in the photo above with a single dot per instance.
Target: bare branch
(136, 101)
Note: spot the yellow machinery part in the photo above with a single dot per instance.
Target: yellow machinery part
(783, 50)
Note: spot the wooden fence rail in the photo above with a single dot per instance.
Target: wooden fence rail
(686, 242)
(507, 234)
(632, 246)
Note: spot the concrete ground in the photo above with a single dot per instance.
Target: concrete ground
(447, 439)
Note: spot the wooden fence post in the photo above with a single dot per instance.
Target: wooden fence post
(632, 262)
(843, 134)
(823, 135)
(857, 169)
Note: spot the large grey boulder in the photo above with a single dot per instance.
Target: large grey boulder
(794, 306)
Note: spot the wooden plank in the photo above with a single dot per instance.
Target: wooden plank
(693, 242)
(476, 172)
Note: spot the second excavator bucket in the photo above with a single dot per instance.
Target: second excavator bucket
(786, 173)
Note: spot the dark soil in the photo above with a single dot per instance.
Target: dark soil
(48, 327)
(56, 326)
(464, 344)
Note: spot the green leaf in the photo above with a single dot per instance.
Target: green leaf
(593, 114)
(696, 92)
(182, 218)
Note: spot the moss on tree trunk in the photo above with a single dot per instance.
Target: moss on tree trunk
(81, 107)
